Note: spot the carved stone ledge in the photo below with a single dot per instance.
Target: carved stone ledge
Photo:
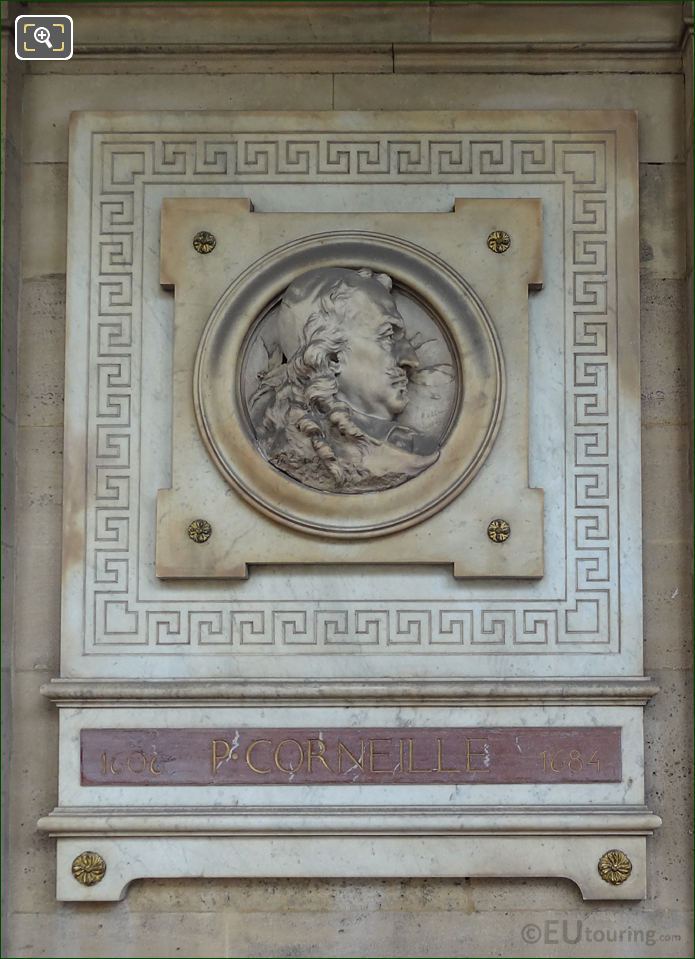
(573, 857)
(93, 692)
(362, 820)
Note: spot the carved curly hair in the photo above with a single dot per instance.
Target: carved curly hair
(301, 396)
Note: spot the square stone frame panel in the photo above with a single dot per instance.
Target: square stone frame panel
(584, 618)
(488, 436)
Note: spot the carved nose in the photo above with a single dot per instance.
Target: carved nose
(406, 357)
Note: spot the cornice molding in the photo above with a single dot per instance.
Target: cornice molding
(186, 693)
(352, 820)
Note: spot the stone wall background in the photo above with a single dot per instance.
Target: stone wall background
(343, 56)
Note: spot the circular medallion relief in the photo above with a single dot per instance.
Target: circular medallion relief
(348, 384)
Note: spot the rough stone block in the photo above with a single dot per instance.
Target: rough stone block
(42, 353)
(667, 606)
(44, 219)
(662, 220)
(34, 764)
(665, 495)
(664, 365)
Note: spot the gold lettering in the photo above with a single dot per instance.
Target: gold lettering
(471, 754)
(154, 768)
(104, 767)
(142, 762)
(319, 755)
(276, 756)
(412, 768)
(219, 757)
(342, 748)
(114, 768)
(401, 759)
(249, 753)
(373, 754)
(440, 768)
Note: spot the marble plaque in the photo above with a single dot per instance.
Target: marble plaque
(352, 456)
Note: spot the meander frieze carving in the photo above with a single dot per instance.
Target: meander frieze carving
(126, 164)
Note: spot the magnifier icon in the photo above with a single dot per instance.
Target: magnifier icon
(43, 35)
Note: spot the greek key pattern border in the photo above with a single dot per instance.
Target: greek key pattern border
(583, 163)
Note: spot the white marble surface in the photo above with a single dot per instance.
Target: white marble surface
(582, 618)
(574, 857)
(387, 625)
(628, 792)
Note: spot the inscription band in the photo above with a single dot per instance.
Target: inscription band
(329, 755)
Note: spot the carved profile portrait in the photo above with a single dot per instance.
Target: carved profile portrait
(353, 387)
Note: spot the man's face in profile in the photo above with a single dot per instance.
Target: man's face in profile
(373, 375)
